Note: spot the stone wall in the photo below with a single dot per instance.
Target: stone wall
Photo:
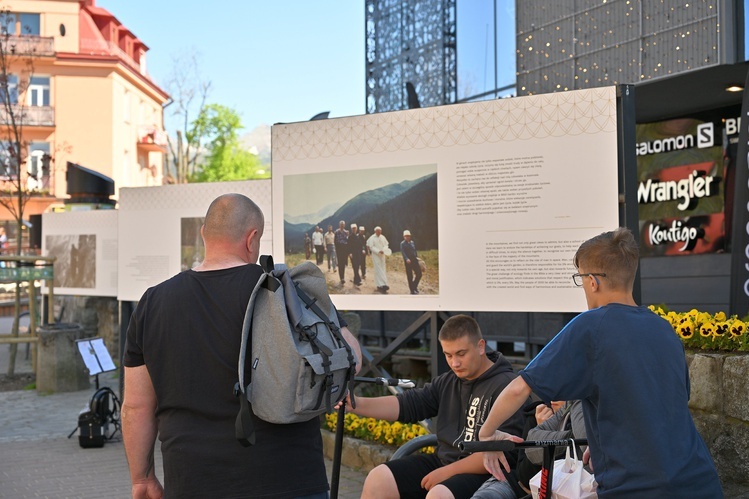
(720, 408)
(98, 316)
(357, 454)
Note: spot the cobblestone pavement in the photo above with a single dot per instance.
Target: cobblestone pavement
(38, 460)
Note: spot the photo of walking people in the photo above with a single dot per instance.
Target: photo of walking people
(371, 232)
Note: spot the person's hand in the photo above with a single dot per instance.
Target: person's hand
(148, 489)
(348, 403)
(543, 412)
(586, 458)
(408, 261)
(495, 461)
(435, 477)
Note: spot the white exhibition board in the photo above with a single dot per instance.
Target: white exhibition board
(84, 244)
(159, 229)
(520, 183)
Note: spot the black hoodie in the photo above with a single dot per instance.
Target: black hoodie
(461, 406)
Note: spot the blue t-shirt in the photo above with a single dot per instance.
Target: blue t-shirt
(628, 367)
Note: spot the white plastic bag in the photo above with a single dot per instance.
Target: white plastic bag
(570, 480)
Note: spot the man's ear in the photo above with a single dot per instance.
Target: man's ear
(482, 346)
(250, 241)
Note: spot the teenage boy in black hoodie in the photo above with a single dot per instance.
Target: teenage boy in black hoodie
(460, 400)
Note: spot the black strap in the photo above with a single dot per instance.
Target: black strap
(266, 261)
(271, 283)
(244, 430)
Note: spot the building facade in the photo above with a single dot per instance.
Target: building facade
(78, 91)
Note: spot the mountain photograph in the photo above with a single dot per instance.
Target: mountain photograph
(394, 199)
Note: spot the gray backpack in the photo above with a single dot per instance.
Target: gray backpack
(299, 364)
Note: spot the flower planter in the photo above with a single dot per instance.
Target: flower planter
(357, 454)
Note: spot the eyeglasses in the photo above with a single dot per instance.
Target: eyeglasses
(578, 278)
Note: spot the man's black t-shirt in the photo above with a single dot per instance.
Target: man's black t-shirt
(187, 332)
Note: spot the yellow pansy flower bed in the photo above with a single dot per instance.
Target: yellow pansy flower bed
(377, 430)
(706, 331)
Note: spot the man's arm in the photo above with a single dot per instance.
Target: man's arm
(139, 432)
(386, 407)
(507, 403)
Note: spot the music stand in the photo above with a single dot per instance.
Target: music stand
(95, 356)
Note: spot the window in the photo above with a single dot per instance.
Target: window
(37, 152)
(9, 89)
(12, 23)
(38, 91)
(8, 163)
(486, 49)
(29, 25)
(8, 23)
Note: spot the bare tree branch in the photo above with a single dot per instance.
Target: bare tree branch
(189, 91)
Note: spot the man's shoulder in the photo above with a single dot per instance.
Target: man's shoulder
(248, 271)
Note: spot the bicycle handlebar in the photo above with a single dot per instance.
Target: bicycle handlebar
(508, 445)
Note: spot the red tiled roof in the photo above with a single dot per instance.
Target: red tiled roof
(95, 11)
(89, 31)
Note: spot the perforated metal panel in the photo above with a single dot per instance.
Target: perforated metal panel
(410, 41)
(573, 44)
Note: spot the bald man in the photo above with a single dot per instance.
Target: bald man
(180, 362)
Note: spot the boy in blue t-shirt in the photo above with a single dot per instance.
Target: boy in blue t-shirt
(628, 367)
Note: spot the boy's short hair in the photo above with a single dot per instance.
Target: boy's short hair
(460, 326)
(615, 253)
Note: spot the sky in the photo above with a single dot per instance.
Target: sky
(273, 61)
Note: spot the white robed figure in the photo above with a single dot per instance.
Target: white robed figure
(379, 249)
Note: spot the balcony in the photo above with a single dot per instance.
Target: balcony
(29, 116)
(151, 139)
(30, 46)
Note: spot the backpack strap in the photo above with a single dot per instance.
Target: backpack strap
(266, 261)
(244, 430)
(325, 353)
(311, 335)
(271, 283)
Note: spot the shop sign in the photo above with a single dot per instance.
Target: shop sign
(680, 193)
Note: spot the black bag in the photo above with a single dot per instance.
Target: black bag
(94, 423)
